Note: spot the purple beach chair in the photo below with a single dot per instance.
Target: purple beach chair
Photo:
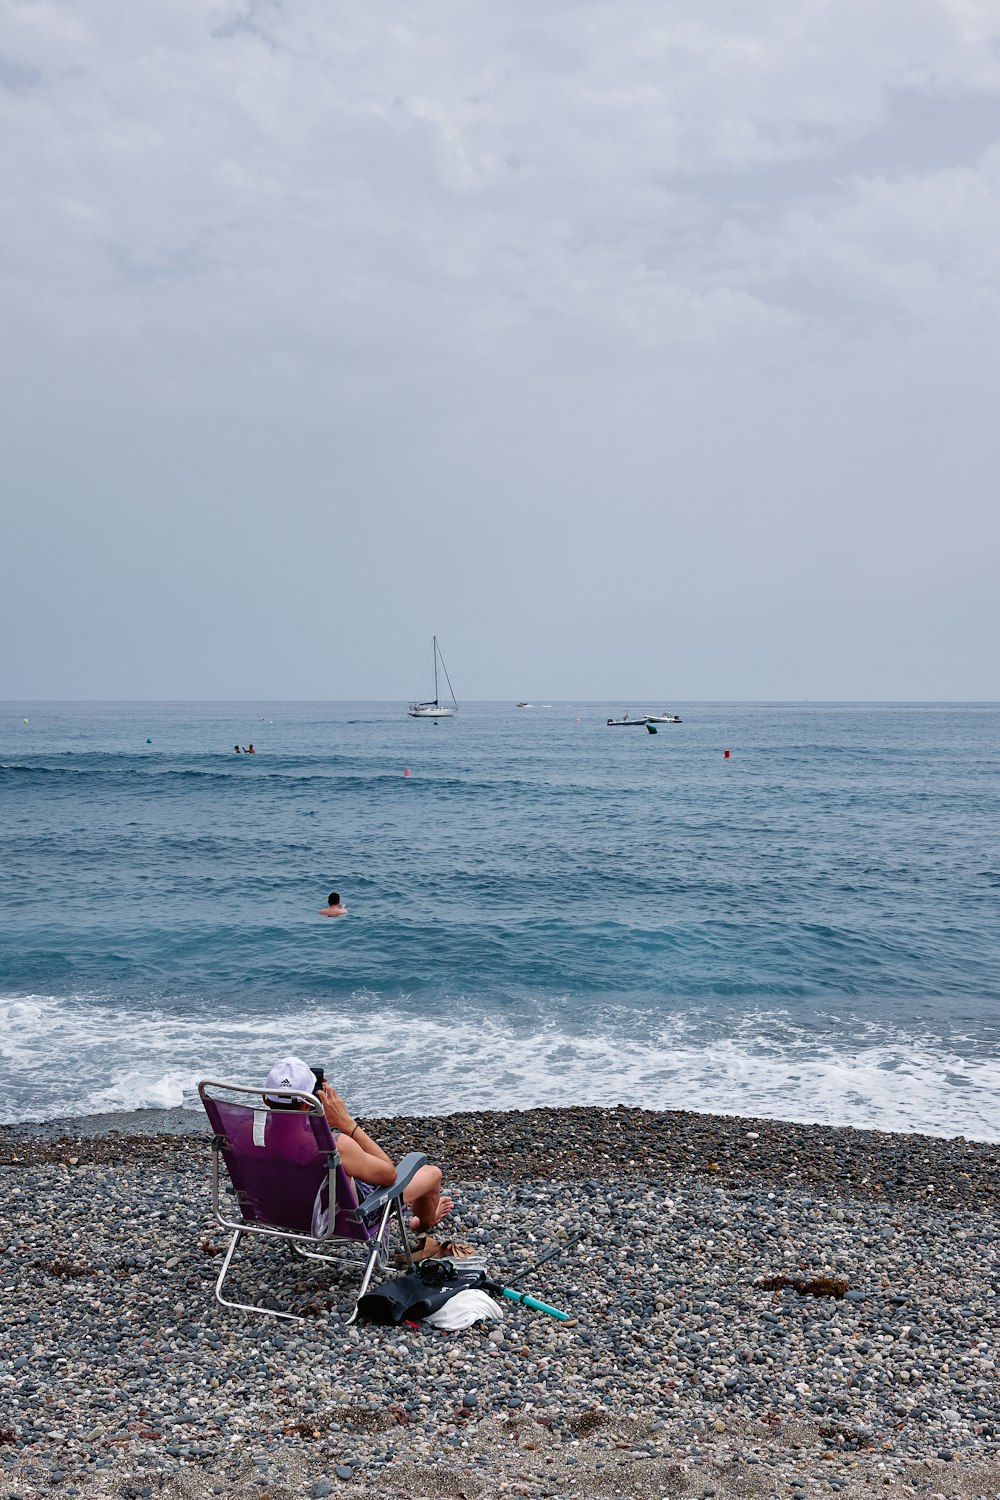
(290, 1185)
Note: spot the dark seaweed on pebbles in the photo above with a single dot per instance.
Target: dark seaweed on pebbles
(683, 1374)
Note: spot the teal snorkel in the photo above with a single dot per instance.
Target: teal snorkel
(533, 1302)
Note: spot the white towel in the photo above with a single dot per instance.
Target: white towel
(464, 1309)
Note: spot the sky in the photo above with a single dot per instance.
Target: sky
(637, 350)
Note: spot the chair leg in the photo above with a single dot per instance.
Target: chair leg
(373, 1257)
(377, 1244)
(269, 1312)
(304, 1254)
(403, 1234)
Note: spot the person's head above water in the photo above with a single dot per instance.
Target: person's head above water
(333, 899)
(333, 907)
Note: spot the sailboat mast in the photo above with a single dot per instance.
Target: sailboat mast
(437, 699)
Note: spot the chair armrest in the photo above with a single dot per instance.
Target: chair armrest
(405, 1173)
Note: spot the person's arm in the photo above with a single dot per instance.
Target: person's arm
(365, 1165)
(362, 1157)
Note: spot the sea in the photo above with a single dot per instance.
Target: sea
(541, 909)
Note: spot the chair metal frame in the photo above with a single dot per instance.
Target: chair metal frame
(386, 1202)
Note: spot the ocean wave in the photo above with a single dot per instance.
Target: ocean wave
(301, 773)
(63, 1057)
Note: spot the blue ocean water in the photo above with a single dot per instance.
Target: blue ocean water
(545, 910)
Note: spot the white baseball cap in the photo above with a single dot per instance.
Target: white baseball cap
(291, 1073)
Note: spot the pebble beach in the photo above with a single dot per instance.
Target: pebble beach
(759, 1309)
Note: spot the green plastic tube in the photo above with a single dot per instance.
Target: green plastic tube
(533, 1302)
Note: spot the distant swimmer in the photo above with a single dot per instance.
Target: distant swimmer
(333, 907)
(238, 750)
(250, 749)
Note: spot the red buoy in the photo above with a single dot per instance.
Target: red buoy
(406, 769)
(725, 754)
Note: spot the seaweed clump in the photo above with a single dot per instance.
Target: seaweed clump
(807, 1286)
(70, 1270)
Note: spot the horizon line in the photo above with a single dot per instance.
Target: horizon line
(587, 702)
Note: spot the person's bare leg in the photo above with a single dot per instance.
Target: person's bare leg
(426, 1218)
(424, 1196)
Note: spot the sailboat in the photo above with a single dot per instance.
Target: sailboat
(434, 708)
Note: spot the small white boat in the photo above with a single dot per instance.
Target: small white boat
(433, 708)
(626, 723)
(664, 719)
(522, 705)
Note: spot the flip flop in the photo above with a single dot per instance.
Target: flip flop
(428, 1247)
(455, 1250)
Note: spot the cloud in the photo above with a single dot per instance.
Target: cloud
(236, 233)
(509, 166)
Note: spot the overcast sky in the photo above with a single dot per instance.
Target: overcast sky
(639, 349)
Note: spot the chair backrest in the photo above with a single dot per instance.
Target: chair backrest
(279, 1164)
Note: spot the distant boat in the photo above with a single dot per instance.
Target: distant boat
(664, 719)
(627, 723)
(522, 705)
(433, 708)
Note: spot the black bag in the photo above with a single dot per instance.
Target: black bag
(410, 1297)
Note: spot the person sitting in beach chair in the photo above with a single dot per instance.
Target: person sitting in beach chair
(291, 1184)
(363, 1158)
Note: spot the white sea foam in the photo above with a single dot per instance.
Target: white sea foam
(60, 1057)
(137, 1090)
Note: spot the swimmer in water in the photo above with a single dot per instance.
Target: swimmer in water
(333, 907)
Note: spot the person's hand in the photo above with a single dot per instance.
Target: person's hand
(336, 1111)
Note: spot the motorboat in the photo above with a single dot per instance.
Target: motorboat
(627, 723)
(433, 708)
(664, 719)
